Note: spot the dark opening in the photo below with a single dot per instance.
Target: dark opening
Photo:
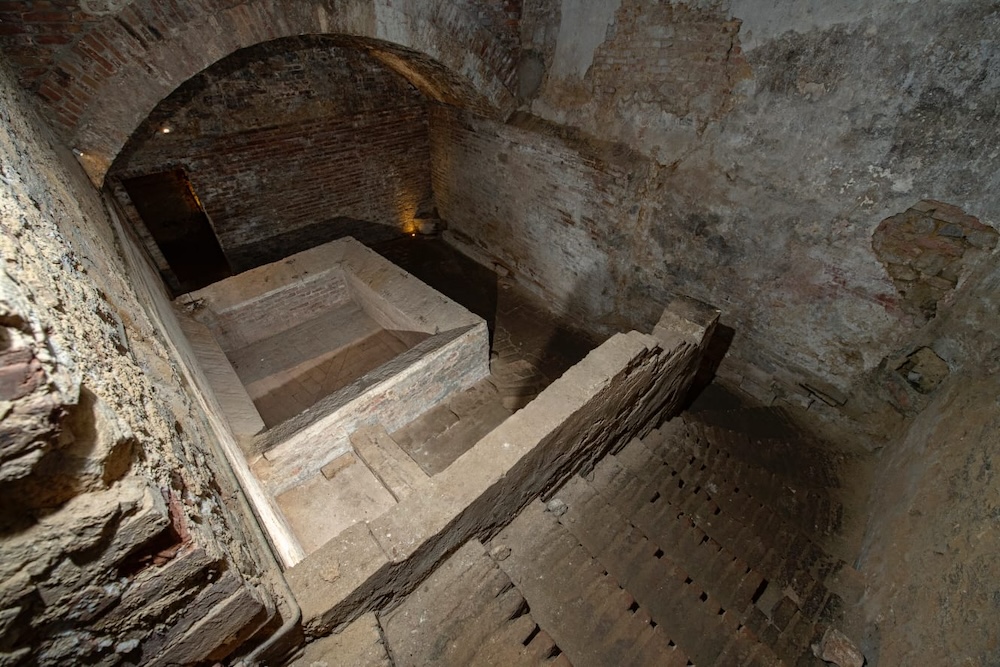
(174, 216)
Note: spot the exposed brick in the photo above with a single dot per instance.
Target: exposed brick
(925, 251)
(282, 137)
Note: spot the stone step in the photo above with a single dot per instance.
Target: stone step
(388, 462)
(585, 610)
(467, 613)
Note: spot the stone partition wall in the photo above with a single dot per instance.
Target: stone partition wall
(120, 537)
(290, 144)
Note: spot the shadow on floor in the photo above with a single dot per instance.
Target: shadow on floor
(446, 270)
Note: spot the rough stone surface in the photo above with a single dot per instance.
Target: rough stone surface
(103, 456)
(932, 529)
(928, 250)
(397, 471)
(360, 644)
(835, 648)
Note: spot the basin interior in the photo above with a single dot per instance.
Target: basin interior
(289, 371)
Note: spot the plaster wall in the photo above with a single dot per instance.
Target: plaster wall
(743, 153)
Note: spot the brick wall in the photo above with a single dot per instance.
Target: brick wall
(118, 540)
(79, 61)
(283, 140)
(531, 200)
(928, 249)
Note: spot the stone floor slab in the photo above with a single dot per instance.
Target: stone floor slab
(321, 508)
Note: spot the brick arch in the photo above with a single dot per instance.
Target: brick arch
(102, 88)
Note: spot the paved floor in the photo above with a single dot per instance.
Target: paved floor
(345, 493)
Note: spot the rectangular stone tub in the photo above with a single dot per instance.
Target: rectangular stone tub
(266, 338)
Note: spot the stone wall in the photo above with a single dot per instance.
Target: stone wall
(930, 549)
(119, 541)
(288, 144)
(743, 152)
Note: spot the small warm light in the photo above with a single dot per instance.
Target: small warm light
(412, 234)
(166, 130)
(77, 152)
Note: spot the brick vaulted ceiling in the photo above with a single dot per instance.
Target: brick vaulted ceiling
(99, 67)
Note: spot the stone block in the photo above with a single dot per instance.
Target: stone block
(826, 392)
(173, 630)
(359, 645)
(336, 577)
(20, 466)
(924, 370)
(96, 450)
(982, 237)
(836, 648)
(77, 526)
(16, 588)
(685, 320)
(145, 517)
(390, 464)
(20, 374)
(334, 467)
(217, 633)
(781, 615)
(946, 213)
(156, 588)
